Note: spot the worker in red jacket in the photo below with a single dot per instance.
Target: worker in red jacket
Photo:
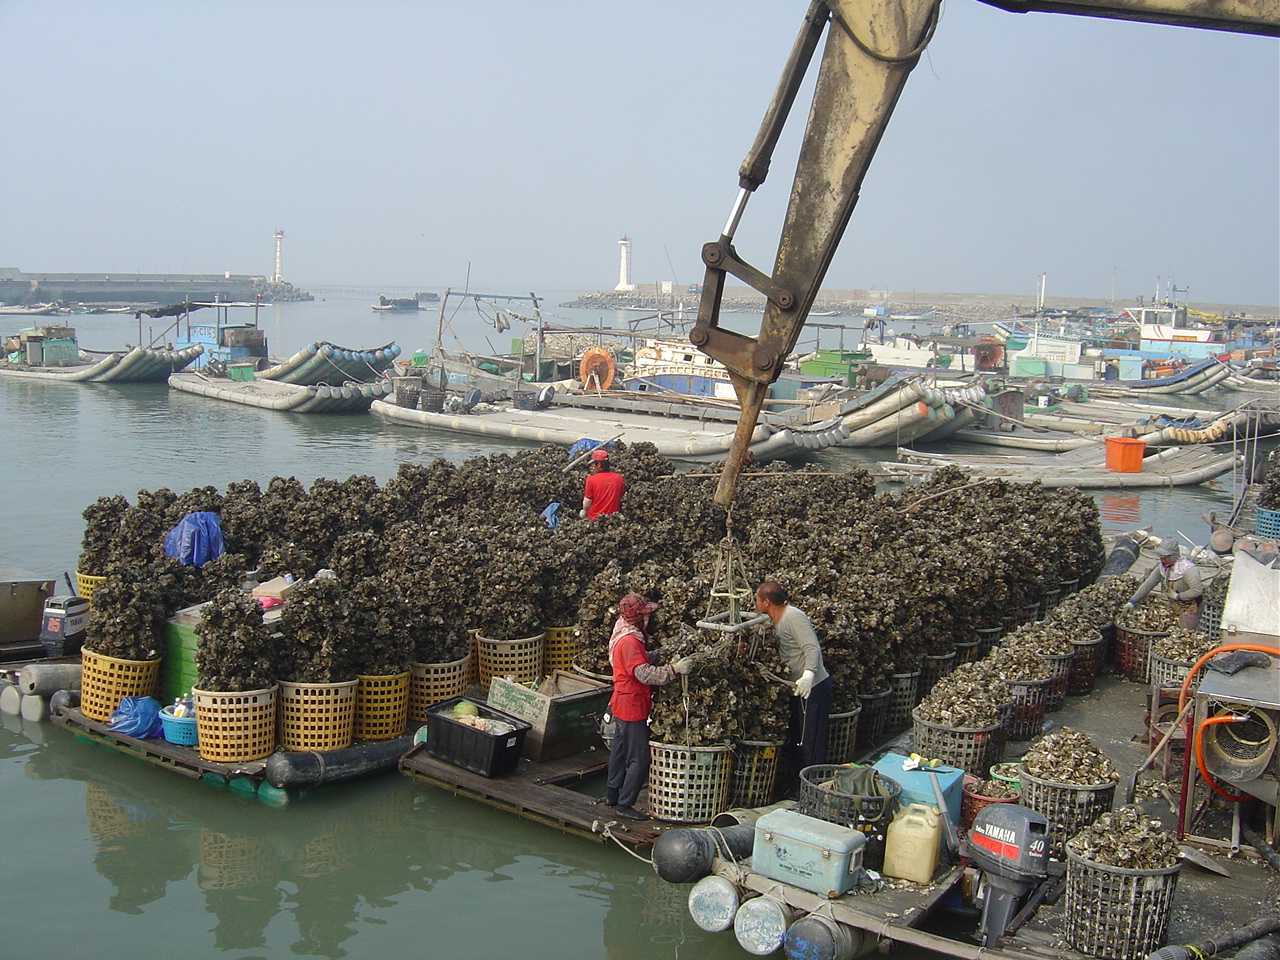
(635, 673)
(603, 490)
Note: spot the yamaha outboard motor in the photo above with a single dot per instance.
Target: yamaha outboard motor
(1010, 845)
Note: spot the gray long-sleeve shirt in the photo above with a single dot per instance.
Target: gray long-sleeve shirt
(1186, 586)
(798, 645)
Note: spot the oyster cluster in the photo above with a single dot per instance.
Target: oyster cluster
(993, 789)
(1182, 646)
(1069, 756)
(967, 698)
(439, 548)
(1269, 495)
(1153, 615)
(1127, 838)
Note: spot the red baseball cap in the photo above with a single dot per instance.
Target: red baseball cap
(601, 454)
(634, 606)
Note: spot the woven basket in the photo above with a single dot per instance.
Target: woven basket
(822, 797)
(235, 726)
(1027, 716)
(754, 774)
(975, 748)
(842, 735)
(972, 802)
(968, 650)
(988, 637)
(1059, 678)
(1164, 672)
(473, 648)
(1069, 807)
(602, 677)
(432, 683)
(1115, 913)
(559, 647)
(382, 706)
(905, 695)
(688, 784)
(1133, 652)
(519, 659)
(105, 681)
(933, 668)
(86, 583)
(317, 716)
(1085, 664)
(875, 711)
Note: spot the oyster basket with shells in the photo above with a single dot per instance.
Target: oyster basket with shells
(1117, 913)
(906, 694)
(1161, 671)
(1084, 665)
(559, 647)
(1133, 649)
(754, 776)
(842, 735)
(688, 784)
(1069, 807)
(1059, 678)
(976, 793)
(1029, 700)
(967, 748)
(968, 651)
(875, 714)
(432, 683)
(933, 668)
(988, 637)
(521, 659)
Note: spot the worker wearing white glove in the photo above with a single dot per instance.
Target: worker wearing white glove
(684, 666)
(799, 649)
(1179, 579)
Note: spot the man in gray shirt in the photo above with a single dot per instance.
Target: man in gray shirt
(799, 649)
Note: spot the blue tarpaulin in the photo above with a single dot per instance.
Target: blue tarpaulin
(583, 445)
(551, 515)
(195, 539)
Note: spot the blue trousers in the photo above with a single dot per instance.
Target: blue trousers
(628, 763)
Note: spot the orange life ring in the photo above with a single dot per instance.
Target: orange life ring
(596, 369)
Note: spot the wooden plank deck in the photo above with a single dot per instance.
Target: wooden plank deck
(542, 792)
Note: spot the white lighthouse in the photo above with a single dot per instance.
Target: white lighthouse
(277, 278)
(624, 267)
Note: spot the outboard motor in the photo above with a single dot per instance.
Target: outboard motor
(1010, 845)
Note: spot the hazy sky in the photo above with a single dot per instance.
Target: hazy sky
(401, 143)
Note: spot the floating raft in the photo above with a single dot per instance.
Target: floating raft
(281, 777)
(1083, 468)
(541, 792)
(325, 362)
(680, 438)
(136, 365)
(273, 395)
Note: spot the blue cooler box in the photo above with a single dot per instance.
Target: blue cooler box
(814, 855)
(916, 787)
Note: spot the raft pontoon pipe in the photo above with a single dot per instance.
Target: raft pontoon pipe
(1216, 945)
(687, 855)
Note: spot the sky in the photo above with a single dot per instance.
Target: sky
(508, 145)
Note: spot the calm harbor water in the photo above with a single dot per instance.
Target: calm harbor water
(108, 857)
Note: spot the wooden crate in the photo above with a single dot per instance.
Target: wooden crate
(564, 712)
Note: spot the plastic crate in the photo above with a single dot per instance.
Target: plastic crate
(179, 730)
(1267, 523)
(1133, 652)
(519, 659)
(488, 754)
(1124, 454)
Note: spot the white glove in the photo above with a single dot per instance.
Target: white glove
(684, 665)
(1128, 607)
(804, 684)
(582, 514)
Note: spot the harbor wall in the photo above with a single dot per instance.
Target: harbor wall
(17, 287)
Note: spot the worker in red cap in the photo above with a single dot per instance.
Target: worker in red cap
(635, 673)
(602, 492)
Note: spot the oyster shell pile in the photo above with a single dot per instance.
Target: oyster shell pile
(1127, 838)
(967, 698)
(1099, 602)
(1153, 615)
(1269, 496)
(887, 580)
(1182, 646)
(1069, 756)
(993, 789)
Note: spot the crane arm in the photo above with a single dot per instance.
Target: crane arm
(871, 48)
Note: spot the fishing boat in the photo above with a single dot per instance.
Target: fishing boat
(52, 353)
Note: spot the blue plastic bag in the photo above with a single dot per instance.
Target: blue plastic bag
(585, 444)
(195, 539)
(137, 717)
(551, 515)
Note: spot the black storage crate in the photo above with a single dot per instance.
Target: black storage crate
(488, 754)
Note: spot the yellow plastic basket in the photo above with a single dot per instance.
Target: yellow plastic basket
(432, 683)
(235, 726)
(317, 716)
(382, 706)
(105, 681)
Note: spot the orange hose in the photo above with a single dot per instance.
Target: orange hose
(1204, 771)
(1195, 667)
